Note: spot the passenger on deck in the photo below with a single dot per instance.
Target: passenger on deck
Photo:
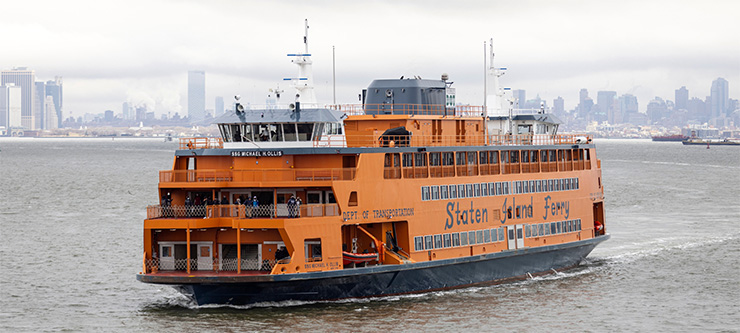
(255, 206)
(291, 206)
(598, 227)
(298, 207)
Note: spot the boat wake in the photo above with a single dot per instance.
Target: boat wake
(675, 163)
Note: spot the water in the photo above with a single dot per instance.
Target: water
(71, 220)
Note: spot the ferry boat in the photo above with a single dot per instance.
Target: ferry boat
(406, 193)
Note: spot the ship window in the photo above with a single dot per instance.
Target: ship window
(559, 227)
(444, 194)
(543, 155)
(531, 186)
(408, 160)
(487, 236)
(305, 131)
(476, 190)
(290, 132)
(553, 228)
(527, 231)
(494, 233)
(501, 234)
(492, 189)
(514, 156)
(479, 236)
(483, 157)
(471, 157)
(418, 243)
(469, 188)
(553, 157)
(460, 158)
(493, 158)
(484, 189)
(526, 187)
(535, 156)
(471, 237)
(464, 238)
(448, 158)
(588, 157)
(428, 243)
(541, 228)
(453, 191)
(461, 191)
(455, 239)
(425, 193)
(352, 199)
(498, 188)
(166, 251)
(546, 227)
(525, 156)
(437, 241)
(578, 224)
(435, 192)
(313, 249)
(420, 159)
(434, 159)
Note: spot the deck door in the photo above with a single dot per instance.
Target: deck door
(205, 257)
(511, 236)
(167, 257)
(519, 236)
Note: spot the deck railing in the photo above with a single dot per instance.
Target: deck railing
(201, 143)
(241, 211)
(416, 140)
(257, 175)
(209, 264)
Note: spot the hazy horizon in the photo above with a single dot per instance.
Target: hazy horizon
(141, 51)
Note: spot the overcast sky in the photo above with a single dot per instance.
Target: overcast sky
(141, 50)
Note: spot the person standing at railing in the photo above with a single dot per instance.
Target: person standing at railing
(248, 206)
(188, 206)
(291, 206)
(166, 203)
(197, 204)
(255, 205)
(224, 210)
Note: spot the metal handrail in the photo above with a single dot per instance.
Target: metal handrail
(257, 175)
(241, 211)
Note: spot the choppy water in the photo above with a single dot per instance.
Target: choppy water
(72, 210)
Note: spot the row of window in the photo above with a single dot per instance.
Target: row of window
(456, 239)
(552, 228)
(461, 191)
(466, 238)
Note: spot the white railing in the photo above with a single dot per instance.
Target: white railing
(209, 264)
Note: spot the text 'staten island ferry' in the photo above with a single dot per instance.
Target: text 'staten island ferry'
(406, 193)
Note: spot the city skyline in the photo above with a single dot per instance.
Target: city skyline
(140, 52)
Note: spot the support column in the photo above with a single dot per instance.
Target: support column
(187, 231)
(238, 250)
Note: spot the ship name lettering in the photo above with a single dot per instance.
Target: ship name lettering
(526, 211)
(465, 216)
(556, 208)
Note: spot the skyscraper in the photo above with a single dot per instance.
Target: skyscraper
(54, 89)
(682, 98)
(520, 97)
(25, 79)
(126, 111)
(719, 97)
(11, 99)
(196, 96)
(605, 111)
(219, 110)
(39, 102)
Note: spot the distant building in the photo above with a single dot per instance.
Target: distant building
(682, 98)
(25, 79)
(219, 110)
(720, 97)
(627, 106)
(657, 110)
(108, 116)
(39, 104)
(196, 96)
(606, 109)
(558, 106)
(11, 101)
(126, 111)
(50, 118)
(54, 90)
(520, 98)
